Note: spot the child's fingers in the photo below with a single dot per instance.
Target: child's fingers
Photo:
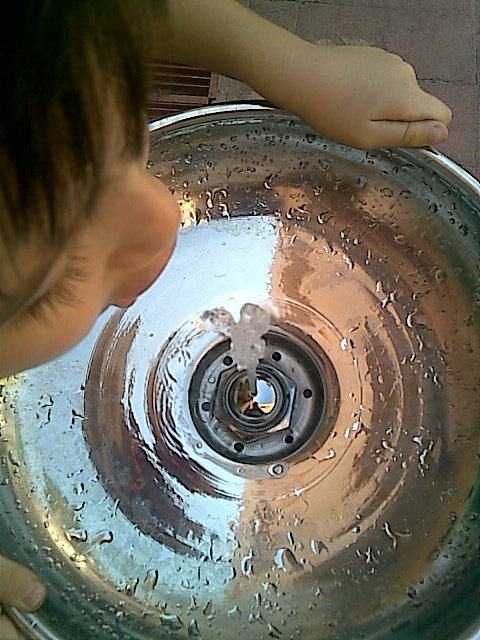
(19, 587)
(417, 105)
(408, 134)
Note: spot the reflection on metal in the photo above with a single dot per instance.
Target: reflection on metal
(257, 405)
(158, 498)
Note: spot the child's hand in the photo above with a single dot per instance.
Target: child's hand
(361, 96)
(365, 97)
(18, 588)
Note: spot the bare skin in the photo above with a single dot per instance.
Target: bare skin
(18, 588)
(114, 257)
(360, 96)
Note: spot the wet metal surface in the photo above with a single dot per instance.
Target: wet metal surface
(370, 527)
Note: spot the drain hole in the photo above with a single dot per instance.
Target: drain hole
(253, 430)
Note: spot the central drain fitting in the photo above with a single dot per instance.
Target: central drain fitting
(267, 409)
(262, 403)
(296, 399)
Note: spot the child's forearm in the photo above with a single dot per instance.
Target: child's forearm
(224, 36)
(361, 96)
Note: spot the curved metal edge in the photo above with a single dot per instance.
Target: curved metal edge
(427, 153)
(471, 634)
(214, 109)
(24, 625)
(451, 166)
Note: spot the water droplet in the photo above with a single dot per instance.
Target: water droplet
(224, 210)
(104, 536)
(193, 631)
(209, 195)
(267, 182)
(234, 611)
(273, 631)
(207, 608)
(131, 587)
(370, 556)
(317, 546)
(76, 534)
(286, 560)
(151, 579)
(409, 318)
(171, 621)
(78, 505)
(13, 458)
(393, 535)
(78, 557)
(361, 182)
(247, 564)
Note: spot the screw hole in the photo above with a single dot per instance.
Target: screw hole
(206, 406)
(289, 439)
(276, 355)
(227, 361)
(307, 393)
(238, 446)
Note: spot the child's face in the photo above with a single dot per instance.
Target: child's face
(110, 258)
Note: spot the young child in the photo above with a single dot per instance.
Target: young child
(83, 225)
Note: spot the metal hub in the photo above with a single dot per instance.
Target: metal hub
(296, 399)
(258, 412)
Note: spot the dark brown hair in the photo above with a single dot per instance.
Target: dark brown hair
(72, 73)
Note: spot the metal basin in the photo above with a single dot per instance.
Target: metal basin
(157, 500)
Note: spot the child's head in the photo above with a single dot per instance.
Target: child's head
(82, 224)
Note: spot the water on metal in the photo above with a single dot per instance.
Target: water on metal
(160, 495)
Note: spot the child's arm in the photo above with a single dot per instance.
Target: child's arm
(361, 96)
